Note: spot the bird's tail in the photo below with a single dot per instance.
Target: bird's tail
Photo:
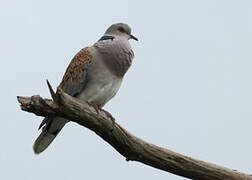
(49, 132)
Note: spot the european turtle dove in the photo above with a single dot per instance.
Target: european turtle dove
(94, 75)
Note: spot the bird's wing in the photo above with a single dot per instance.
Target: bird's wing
(75, 77)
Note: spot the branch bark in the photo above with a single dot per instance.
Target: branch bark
(128, 145)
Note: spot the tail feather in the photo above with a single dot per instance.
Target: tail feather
(48, 134)
(42, 142)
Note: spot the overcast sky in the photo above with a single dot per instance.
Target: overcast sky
(189, 88)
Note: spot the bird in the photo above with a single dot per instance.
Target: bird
(94, 75)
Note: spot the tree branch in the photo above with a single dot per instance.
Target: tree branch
(128, 145)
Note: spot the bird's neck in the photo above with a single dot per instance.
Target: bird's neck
(106, 37)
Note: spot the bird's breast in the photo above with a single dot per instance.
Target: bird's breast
(102, 85)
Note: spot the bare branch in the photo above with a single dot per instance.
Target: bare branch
(128, 145)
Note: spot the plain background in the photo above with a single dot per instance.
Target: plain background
(188, 90)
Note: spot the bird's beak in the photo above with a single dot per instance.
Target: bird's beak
(133, 37)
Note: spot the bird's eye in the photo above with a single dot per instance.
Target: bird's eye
(121, 29)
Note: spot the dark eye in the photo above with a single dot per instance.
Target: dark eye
(121, 29)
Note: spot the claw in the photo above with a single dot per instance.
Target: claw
(97, 109)
(109, 116)
(95, 106)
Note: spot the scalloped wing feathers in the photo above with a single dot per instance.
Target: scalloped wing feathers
(75, 77)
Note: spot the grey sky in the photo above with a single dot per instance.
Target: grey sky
(188, 90)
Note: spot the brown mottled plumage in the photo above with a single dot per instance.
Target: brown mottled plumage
(77, 67)
(76, 72)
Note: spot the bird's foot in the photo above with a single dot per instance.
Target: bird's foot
(109, 116)
(97, 109)
(95, 106)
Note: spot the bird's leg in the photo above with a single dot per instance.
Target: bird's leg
(109, 116)
(97, 108)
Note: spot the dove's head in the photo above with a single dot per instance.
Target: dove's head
(120, 29)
